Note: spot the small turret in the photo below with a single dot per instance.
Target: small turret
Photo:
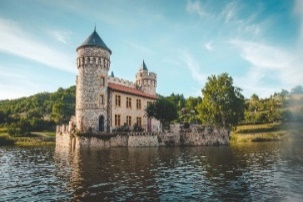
(146, 81)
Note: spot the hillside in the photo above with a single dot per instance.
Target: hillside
(38, 112)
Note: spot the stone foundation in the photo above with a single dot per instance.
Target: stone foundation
(178, 137)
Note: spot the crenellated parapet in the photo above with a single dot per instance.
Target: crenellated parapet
(93, 61)
(122, 82)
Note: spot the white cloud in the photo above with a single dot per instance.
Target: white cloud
(15, 85)
(209, 46)
(194, 67)
(252, 29)
(270, 62)
(265, 56)
(17, 42)
(195, 7)
(298, 9)
(61, 36)
(140, 47)
(252, 83)
(230, 11)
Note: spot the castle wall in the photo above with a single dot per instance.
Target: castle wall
(142, 140)
(122, 82)
(123, 111)
(205, 137)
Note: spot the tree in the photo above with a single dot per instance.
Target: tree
(254, 98)
(162, 110)
(189, 113)
(222, 104)
(297, 90)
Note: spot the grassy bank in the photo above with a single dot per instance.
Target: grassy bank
(33, 139)
(265, 132)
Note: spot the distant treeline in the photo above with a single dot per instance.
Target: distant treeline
(38, 112)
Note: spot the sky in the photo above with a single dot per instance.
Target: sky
(259, 43)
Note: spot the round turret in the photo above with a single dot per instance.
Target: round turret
(93, 63)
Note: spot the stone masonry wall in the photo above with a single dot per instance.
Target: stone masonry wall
(207, 137)
(91, 87)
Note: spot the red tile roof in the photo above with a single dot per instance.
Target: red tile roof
(129, 90)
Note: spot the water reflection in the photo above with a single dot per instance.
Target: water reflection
(260, 171)
(248, 172)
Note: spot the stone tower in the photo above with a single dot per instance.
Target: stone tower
(93, 63)
(146, 81)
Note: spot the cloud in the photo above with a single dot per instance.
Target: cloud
(61, 36)
(195, 7)
(15, 41)
(140, 47)
(15, 84)
(269, 62)
(209, 46)
(262, 55)
(252, 82)
(230, 11)
(194, 67)
(298, 9)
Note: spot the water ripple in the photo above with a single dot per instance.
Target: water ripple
(256, 172)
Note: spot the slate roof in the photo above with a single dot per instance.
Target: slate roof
(128, 90)
(95, 40)
(144, 66)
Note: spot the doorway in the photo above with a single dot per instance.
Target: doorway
(101, 123)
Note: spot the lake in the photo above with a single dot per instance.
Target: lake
(271, 171)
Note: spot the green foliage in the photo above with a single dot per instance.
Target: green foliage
(137, 128)
(297, 90)
(222, 104)
(124, 128)
(163, 110)
(6, 140)
(279, 107)
(38, 112)
(178, 100)
(189, 113)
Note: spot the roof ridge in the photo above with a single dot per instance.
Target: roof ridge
(129, 90)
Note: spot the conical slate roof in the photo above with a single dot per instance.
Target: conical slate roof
(143, 66)
(95, 40)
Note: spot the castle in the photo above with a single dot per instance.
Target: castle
(104, 102)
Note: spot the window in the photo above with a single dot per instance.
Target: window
(138, 103)
(139, 121)
(117, 119)
(149, 102)
(129, 120)
(128, 102)
(102, 81)
(102, 99)
(118, 100)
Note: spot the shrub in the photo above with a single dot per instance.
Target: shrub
(6, 140)
(137, 128)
